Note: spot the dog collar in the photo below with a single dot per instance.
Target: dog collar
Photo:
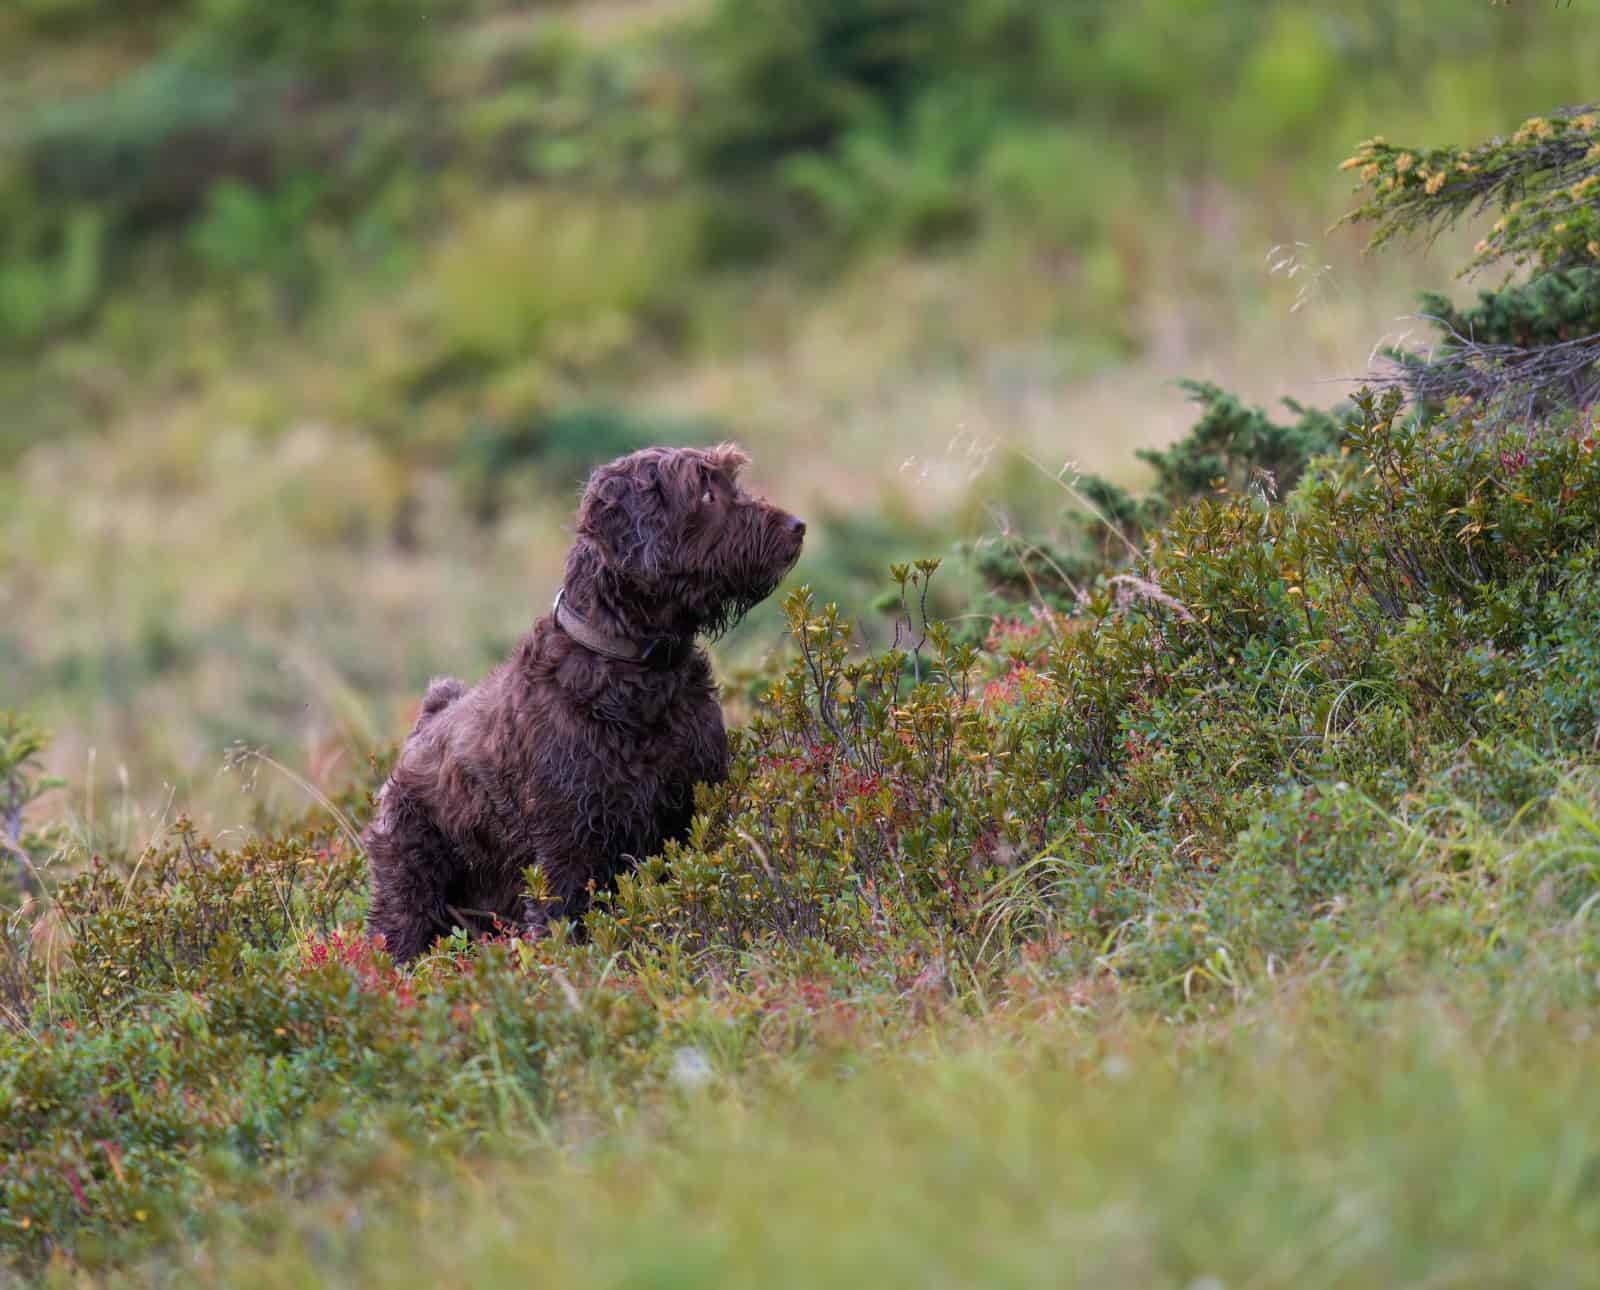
(652, 651)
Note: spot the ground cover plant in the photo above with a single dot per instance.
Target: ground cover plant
(1226, 915)
(1037, 1151)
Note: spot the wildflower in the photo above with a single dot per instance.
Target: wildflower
(1350, 163)
(1481, 247)
(1369, 170)
(1594, 249)
(1404, 162)
(1435, 182)
(1584, 122)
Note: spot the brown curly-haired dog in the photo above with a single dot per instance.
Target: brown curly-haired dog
(581, 753)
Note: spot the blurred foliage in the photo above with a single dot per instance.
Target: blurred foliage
(558, 450)
(234, 134)
(573, 282)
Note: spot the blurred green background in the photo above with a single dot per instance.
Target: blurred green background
(314, 315)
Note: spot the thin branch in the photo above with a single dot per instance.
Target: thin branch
(1524, 380)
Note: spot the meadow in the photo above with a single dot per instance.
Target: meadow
(269, 409)
(1162, 841)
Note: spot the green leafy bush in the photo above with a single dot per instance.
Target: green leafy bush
(51, 277)
(336, 42)
(1236, 448)
(1232, 448)
(27, 852)
(1549, 308)
(22, 783)
(789, 77)
(1543, 177)
(185, 909)
(1526, 349)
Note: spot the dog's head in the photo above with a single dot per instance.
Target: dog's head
(679, 542)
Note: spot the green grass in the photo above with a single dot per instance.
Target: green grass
(1414, 1110)
(1444, 1139)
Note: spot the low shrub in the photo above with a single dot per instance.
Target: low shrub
(1293, 720)
(1232, 448)
(1527, 349)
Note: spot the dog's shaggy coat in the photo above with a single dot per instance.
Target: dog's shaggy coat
(580, 754)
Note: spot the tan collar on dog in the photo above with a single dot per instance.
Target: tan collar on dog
(653, 651)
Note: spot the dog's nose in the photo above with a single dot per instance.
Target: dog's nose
(797, 526)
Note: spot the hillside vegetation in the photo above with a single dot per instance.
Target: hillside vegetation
(1211, 901)
(312, 316)
(1175, 869)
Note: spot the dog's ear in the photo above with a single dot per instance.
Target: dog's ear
(728, 458)
(621, 514)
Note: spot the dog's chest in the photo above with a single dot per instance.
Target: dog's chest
(625, 786)
(638, 774)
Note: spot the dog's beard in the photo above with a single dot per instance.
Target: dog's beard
(746, 583)
(725, 616)
(742, 598)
